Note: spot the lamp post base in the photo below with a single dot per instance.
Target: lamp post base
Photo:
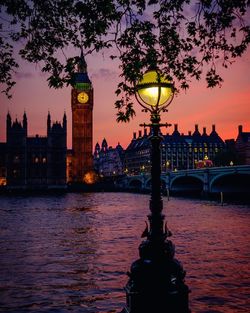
(156, 281)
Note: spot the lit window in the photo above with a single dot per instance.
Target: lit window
(16, 159)
(44, 160)
(36, 160)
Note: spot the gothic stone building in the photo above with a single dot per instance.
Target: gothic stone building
(80, 158)
(34, 162)
(108, 161)
(3, 171)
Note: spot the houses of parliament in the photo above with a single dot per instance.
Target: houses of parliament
(45, 163)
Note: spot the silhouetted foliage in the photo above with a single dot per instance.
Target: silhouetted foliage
(186, 39)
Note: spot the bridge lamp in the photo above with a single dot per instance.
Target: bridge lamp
(167, 164)
(156, 280)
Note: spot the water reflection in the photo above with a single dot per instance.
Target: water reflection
(70, 252)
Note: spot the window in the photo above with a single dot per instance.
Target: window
(15, 173)
(16, 159)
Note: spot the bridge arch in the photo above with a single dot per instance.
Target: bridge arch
(135, 183)
(187, 183)
(232, 182)
(148, 184)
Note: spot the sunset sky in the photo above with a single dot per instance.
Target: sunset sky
(226, 107)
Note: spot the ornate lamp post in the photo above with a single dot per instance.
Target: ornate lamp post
(156, 279)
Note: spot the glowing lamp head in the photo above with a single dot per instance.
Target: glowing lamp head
(154, 91)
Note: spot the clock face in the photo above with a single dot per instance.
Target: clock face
(82, 97)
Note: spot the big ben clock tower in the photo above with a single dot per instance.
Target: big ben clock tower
(82, 123)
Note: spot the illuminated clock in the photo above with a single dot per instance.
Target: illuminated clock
(82, 97)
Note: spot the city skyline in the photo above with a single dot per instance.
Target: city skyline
(226, 107)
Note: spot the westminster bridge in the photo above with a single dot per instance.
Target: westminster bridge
(208, 180)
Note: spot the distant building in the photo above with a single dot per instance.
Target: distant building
(69, 166)
(3, 161)
(242, 145)
(34, 162)
(179, 151)
(137, 154)
(108, 161)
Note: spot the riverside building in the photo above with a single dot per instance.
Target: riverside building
(108, 161)
(33, 162)
(179, 151)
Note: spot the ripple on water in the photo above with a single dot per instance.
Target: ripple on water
(71, 252)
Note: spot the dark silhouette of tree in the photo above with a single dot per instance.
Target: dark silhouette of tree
(186, 39)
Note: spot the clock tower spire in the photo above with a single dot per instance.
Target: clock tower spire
(82, 123)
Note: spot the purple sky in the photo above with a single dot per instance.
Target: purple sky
(226, 107)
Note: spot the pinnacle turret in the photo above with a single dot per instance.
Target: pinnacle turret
(82, 65)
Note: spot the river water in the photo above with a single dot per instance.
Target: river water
(71, 252)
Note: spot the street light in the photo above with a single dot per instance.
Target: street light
(156, 279)
(154, 92)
